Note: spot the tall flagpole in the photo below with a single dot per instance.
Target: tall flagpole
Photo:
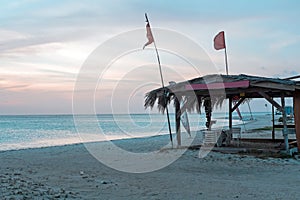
(226, 62)
(162, 83)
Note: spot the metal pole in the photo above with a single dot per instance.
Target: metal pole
(159, 65)
(163, 85)
(226, 62)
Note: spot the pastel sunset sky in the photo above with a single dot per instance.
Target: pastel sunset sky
(44, 44)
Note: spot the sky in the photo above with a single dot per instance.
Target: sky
(46, 45)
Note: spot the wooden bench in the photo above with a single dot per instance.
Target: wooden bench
(290, 128)
(281, 125)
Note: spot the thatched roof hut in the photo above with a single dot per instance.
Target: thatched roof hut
(211, 90)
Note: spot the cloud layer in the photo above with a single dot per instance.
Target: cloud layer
(43, 44)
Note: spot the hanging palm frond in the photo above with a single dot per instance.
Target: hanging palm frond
(192, 102)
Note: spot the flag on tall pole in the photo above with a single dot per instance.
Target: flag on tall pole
(219, 43)
(149, 34)
(150, 41)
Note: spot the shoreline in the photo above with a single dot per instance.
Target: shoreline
(89, 142)
(70, 171)
(69, 135)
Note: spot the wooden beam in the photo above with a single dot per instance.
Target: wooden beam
(297, 116)
(293, 77)
(250, 92)
(285, 133)
(222, 85)
(269, 99)
(177, 120)
(279, 86)
(230, 113)
(273, 124)
(253, 92)
(238, 103)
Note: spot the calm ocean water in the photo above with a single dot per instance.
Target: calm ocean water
(32, 131)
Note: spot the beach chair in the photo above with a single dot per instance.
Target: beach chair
(211, 138)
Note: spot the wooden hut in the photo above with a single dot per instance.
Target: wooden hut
(211, 90)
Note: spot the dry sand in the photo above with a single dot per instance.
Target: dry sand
(70, 172)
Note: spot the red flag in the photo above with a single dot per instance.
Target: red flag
(149, 35)
(219, 41)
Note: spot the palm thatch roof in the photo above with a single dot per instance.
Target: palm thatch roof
(215, 88)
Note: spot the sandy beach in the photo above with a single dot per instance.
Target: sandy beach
(149, 100)
(70, 172)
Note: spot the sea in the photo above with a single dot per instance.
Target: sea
(35, 131)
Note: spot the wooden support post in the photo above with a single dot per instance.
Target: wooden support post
(230, 113)
(274, 104)
(177, 120)
(297, 116)
(269, 99)
(238, 104)
(273, 123)
(285, 132)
